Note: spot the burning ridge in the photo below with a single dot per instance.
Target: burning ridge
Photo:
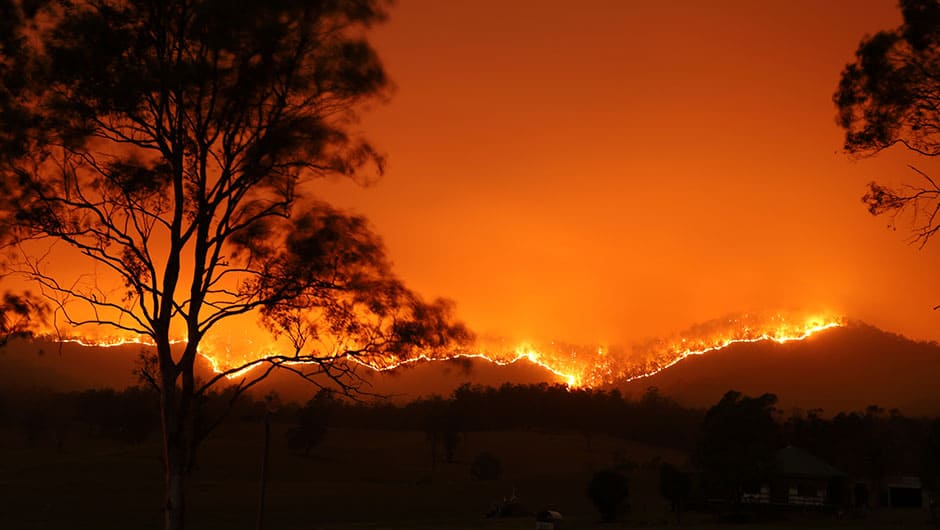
(575, 365)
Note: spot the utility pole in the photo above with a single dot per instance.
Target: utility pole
(269, 404)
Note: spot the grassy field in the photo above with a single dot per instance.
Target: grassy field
(355, 480)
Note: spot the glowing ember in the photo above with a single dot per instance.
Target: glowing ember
(576, 366)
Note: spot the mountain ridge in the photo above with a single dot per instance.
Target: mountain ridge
(844, 368)
(840, 369)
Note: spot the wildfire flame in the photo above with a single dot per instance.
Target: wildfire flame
(576, 366)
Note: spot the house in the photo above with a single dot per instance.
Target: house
(802, 479)
(799, 479)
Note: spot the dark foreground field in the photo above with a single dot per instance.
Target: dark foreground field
(354, 480)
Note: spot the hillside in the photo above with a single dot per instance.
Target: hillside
(845, 368)
(39, 364)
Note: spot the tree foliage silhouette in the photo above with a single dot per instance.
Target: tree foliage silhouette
(173, 146)
(486, 466)
(311, 426)
(608, 489)
(675, 486)
(20, 314)
(889, 96)
(739, 437)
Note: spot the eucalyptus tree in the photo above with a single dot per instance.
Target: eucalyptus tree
(889, 96)
(174, 146)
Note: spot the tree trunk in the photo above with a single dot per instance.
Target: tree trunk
(177, 424)
(174, 500)
(174, 455)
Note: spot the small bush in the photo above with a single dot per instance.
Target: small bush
(486, 467)
(607, 490)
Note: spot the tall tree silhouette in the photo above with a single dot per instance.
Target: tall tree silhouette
(890, 96)
(675, 486)
(172, 146)
(739, 437)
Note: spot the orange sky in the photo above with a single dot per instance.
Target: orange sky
(604, 171)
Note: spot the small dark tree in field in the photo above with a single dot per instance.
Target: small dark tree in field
(312, 422)
(168, 151)
(441, 429)
(608, 490)
(739, 437)
(890, 96)
(451, 439)
(33, 422)
(675, 486)
(486, 466)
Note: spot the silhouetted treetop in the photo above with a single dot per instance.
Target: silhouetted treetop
(739, 436)
(332, 281)
(20, 314)
(258, 91)
(889, 94)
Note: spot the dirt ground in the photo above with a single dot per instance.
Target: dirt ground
(369, 480)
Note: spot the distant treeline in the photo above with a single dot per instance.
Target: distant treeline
(127, 416)
(131, 415)
(653, 419)
(873, 442)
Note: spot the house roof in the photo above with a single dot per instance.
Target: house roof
(903, 482)
(795, 462)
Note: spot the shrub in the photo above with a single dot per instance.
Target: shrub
(607, 490)
(486, 467)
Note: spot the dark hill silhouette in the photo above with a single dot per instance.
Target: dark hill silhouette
(840, 369)
(26, 364)
(419, 379)
(41, 364)
(845, 368)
